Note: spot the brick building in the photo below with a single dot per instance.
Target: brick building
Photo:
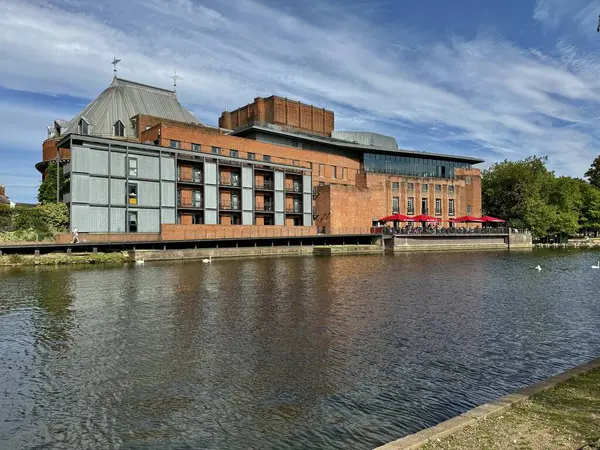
(297, 169)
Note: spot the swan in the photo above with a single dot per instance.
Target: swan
(538, 267)
(139, 262)
(209, 260)
(596, 267)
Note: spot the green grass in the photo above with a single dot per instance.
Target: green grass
(566, 416)
(63, 258)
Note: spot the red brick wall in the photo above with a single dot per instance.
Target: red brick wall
(49, 150)
(281, 111)
(183, 232)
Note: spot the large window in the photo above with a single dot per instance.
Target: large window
(438, 206)
(411, 187)
(196, 148)
(119, 129)
(175, 144)
(132, 193)
(411, 206)
(451, 189)
(233, 153)
(196, 199)
(422, 166)
(216, 150)
(251, 155)
(132, 165)
(196, 175)
(438, 188)
(395, 205)
(133, 221)
(451, 207)
(424, 206)
(395, 187)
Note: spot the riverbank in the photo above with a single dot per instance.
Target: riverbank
(55, 259)
(562, 412)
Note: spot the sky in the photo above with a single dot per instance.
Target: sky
(495, 80)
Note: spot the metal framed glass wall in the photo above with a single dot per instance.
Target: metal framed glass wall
(411, 166)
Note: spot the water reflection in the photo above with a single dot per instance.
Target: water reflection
(281, 353)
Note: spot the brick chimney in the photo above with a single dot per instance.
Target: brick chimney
(2, 190)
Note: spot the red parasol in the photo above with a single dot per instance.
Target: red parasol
(426, 218)
(468, 219)
(490, 219)
(396, 218)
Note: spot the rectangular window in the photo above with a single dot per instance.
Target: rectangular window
(320, 169)
(395, 205)
(266, 158)
(395, 187)
(196, 148)
(233, 153)
(424, 187)
(196, 199)
(438, 188)
(215, 150)
(469, 210)
(196, 175)
(411, 206)
(132, 164)
(335, 172)
(175, 144)
(451, 189)
(451, 207)
(178, 173)
(133, 221)
(438, 206)
(411, 187)
(251, 156)
(295, 162)
(132, 193)
(424, 206)
(178, 197)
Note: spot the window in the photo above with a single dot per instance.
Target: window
(119, 129)
(233, 153)
(266, 158)
(424, 208)
(335, 172)
(251, 156)
(438, 206)
(395, 205)
(132, 193)
(411, 187)
(411, 206)
(438, 188)
(451, 207)
(179, 197)
(83, 127)
(215, 150)
(196, 199)
(320, 169)
(451, 189)
(469, 210)
(175, 144)
(424, 187)
(467, 180)
(196, 148)
(196, 175)
(132, 164)
(294, 143)
(178, 173)
(133, 222)
(395, 187)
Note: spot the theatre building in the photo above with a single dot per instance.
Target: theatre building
(137, 159)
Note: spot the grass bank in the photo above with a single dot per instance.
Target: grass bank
(63, 258)
(563, 417)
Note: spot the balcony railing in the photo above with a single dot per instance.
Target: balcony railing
(293, 210)
(266, 207)
(294, 188)
(265, 185)
(192, 204)
(196, 179)
(229, 206)
(233, 182)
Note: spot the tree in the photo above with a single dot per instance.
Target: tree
(590, 211)
(47, 190)
(593, 173)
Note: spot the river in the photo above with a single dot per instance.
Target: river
(282, 353)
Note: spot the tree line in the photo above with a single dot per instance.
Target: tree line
(528, 195)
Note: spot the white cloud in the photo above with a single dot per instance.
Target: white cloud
(479, 95)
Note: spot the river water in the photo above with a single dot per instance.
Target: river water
(298, 353)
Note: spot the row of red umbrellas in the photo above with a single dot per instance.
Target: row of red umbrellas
(426, 218)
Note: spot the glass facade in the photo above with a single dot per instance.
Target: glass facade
(411, 166)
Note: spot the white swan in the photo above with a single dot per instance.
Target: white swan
(139, 262)
(596, 267)
(538, 267)
(209, 260)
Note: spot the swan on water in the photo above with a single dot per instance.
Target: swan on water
(209, 260)
(596, 267)
(139, 262)
(538, 267)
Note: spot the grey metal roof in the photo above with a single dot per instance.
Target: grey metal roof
(124, 99)
(367, 138)
(273, 129)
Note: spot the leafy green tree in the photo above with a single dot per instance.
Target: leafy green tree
(593, 173)
(590, 211)
(47, 190)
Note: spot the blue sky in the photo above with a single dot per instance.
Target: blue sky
(496, 80)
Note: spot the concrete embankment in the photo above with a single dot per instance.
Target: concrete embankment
(560, 412)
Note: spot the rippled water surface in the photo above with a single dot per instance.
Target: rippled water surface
(345, 352)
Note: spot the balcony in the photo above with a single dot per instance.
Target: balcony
(296, 209)
(294, 189)
(231, 182)
(193, 180)
(267, 207)
(190, 205)
(266, 185)
(229, 206)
